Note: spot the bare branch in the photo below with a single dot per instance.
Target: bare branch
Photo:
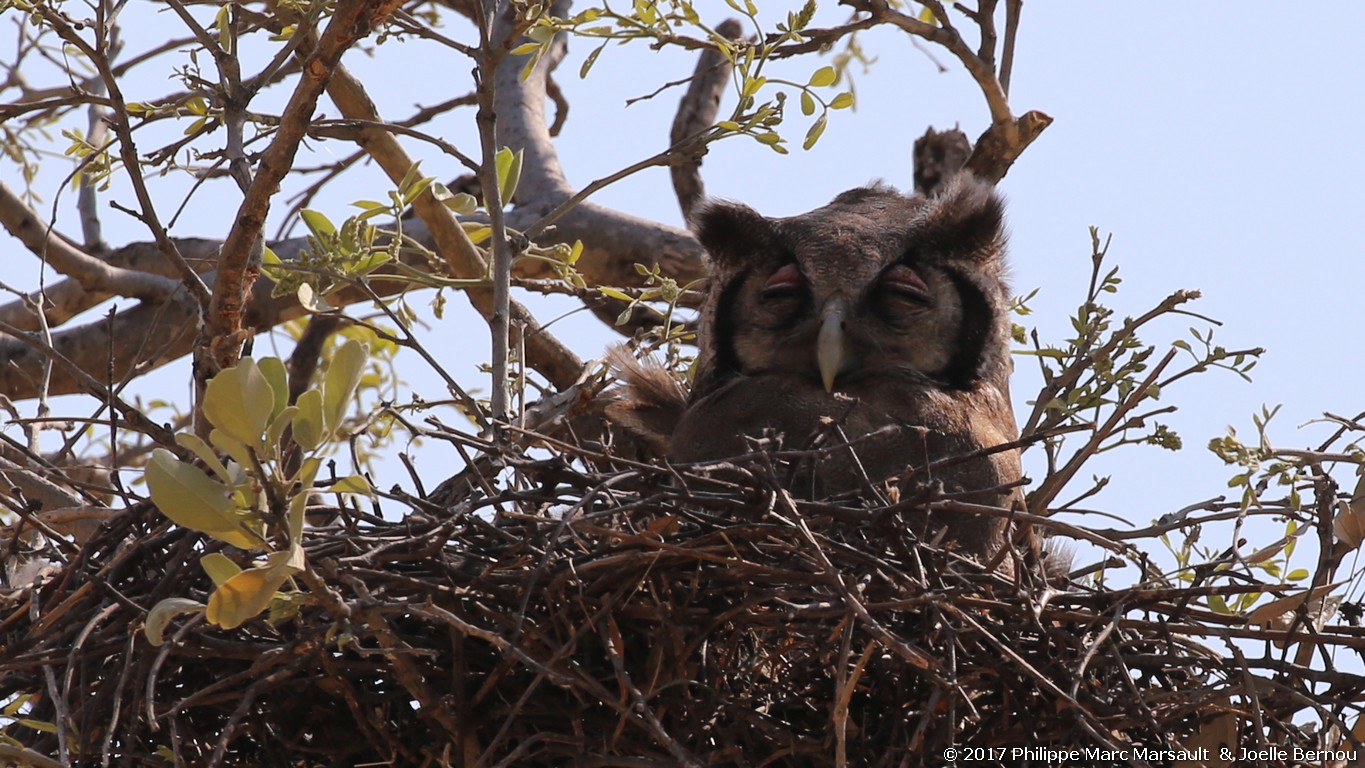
(91, 273)
(697, 113)
(1007, 137)
(1012, 11)
(128, 151)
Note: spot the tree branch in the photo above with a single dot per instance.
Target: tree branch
(1008, 136)
(697, 113)
(92, 274)
(240, 262)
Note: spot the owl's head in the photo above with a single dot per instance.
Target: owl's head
(876, 283)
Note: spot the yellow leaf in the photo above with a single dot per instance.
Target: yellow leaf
(249, 593)
(823, 76)
(219, 567)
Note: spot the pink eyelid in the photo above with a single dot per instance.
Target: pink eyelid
(789, 276)
(901, 275)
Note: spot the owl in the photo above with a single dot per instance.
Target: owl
(876, 328)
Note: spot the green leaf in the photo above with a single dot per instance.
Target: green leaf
(233, 447)
(272, 368)
(807, 103)
(297, 507)
(525, 48)
(477, 232)
(309, 431)
(509, 173)
(1218, 604)
(823, 76)
(205, 453)
(161, 614)
(224, 24)
(192, 499)
(813, 135)
(410, 178)
(343, 375)
(311, 300)
(588, 62)
(308, 471)
(277, 427)
(462, 203)
(842, 101)
(352, 484)
(318, 223)
(615, 294)
(240, 401)
(272, 266)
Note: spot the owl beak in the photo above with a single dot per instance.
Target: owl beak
(830, 351)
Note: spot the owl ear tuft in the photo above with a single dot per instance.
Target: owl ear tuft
(731, 231)
(966, 221)
(651, 402)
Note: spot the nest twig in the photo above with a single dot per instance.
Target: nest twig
(595, 613)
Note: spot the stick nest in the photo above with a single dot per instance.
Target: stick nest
(588, 612)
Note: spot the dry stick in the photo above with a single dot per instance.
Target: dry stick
(24, 756)
(498, 29)
(111, 729)
(640, 708)
(1022, 663)
(984, 17)
(136, 419)
(847, 686)
(918, 658)
(128, 154)
(1053, 484)
(1012, 10)
(248, 697)
(1329, 557)
(409, 676)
